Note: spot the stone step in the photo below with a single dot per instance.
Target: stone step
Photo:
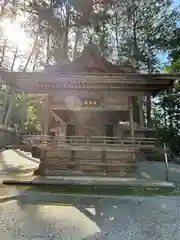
(60, 172)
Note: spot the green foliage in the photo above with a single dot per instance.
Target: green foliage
(32, 121)
(166, 115)
(167, 106)
(174, 67)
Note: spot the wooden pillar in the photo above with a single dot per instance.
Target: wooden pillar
(24, 110)
(131, 112)
(9, 111)
(6, 94)
(39, 113)
(46, 115)
(45, 124)
(141, 113)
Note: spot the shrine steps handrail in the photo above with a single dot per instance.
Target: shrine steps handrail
(57, 141)
(84, 137)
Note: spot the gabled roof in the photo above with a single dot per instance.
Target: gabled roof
(90, 60)
(90, 71)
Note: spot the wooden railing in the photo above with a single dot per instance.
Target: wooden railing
(40, 140)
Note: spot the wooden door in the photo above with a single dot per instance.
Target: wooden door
(109, 132)
(71, 130)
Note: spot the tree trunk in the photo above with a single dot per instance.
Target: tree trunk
(117, 37)
(14, 59)
(66, 33)
(3, 52)
(31, 54)
(136, 107)
(35, 60)
(150, 69)
(74, 53)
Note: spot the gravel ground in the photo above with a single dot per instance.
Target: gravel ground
(126, 218)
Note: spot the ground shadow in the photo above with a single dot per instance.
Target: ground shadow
(101, 218)
(127, 214)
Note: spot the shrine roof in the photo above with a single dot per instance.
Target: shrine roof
(89, 71)
(90, 60)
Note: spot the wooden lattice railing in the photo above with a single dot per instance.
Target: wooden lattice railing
(42, 140)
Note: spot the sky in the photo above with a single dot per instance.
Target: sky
(163, 57)
(176, 2)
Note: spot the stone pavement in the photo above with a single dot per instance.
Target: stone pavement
(39, 215)
(157, 170)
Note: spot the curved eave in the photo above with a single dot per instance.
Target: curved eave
(30, 82)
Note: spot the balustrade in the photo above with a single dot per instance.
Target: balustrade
(35, 140)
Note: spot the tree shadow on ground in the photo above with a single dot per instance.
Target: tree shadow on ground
(102, 213)
(112, 216)
(81, 204)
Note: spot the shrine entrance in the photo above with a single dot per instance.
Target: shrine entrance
(71, 130)
(109, 132)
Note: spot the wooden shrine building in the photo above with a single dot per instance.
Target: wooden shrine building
(90, 123)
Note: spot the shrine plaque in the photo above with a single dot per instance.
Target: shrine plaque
(90, 102)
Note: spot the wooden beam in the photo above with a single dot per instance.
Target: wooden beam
(93, 109)
(90, 77)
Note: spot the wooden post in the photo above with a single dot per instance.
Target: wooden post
(24, 109)
(40, 109)
(166, 161)
(9, 111)
(132, 122)
(5, 102)
(46, 115)
(6, 94)
(141, 113)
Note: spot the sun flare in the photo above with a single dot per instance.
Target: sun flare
(15, 34)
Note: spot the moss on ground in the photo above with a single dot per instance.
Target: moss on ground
(104, 190)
